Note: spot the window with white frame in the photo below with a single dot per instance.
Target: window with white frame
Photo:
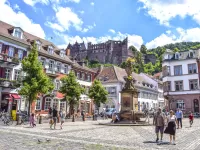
(38, 43)
(42, 61)
(20, 54)
(1, 45)
(55, 103)
(51, 63)
(83, 76)
(18, 33)
(57, 85)
(16, 74)
(65, 68)
(178, 85)
(38, 104)
(58, 66)
(178, 70)
(78, 75)
(89, 78)
(193, 84)
(192, 68)
(11, 51)
(47, 104)
(62, 54)
(177, 55)
(7, 73)
(50, 50)
(62, 105)
(180, 104)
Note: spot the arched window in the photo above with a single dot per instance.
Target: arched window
(47, 103)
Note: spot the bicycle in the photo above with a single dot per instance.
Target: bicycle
(8, 120)
(24, 119)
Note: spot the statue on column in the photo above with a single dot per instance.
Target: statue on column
(129, 79)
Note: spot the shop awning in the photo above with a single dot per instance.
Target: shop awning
(16, 96)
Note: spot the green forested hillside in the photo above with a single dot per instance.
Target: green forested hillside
(158, 52)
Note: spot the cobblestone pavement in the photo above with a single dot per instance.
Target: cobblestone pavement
(91, 136)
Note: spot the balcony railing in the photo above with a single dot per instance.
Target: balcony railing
(9, 83)
(6, 58)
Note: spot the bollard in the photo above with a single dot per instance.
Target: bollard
(40, 119)
(19, 120)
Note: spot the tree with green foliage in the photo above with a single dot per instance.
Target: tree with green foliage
(149, 68)
(98, 93)
(72, 90)
(176, 50)
(36, 81)
(143, 49)
(133, 49)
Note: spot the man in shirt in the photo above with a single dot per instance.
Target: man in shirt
(55, 115)
(179, 116)
(159, 121)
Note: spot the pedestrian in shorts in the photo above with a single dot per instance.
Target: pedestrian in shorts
(159, 122)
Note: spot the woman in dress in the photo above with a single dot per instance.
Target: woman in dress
(171, 127)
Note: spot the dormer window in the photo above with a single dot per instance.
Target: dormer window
(177, 55)
(191, 54)
(38, 43)
(18, 33)
(50, 50)
(62, 53)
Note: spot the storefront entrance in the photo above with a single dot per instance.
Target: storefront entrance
(196, 106)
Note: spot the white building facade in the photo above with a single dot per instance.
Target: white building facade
(112, 79)
(181, 80)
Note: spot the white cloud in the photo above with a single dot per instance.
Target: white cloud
(81, 12)
(63, 23)
(75, 1)
(135, 40)
(16, 7)
(166, 10)
(92, 3)
(33, 2)
(19, 19)
(72, 18)
(112, 31)
(55, 26)
(188, 35)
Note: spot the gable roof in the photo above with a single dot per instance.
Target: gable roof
(28, 38)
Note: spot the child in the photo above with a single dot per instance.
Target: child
(32, 120)
(191, 118)
(51, 122)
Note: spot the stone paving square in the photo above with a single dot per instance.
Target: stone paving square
(90, 135)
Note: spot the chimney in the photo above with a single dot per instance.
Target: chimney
(68, 52)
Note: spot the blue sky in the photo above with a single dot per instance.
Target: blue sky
(150, 22)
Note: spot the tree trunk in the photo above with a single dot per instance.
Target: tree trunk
(29, 106)
(73, 115)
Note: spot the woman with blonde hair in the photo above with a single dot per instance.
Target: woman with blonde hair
(171, 126)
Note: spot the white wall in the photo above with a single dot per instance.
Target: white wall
(116, 99)
(185, 76)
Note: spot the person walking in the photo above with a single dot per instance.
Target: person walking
(32, 120)
(171, 127)
(179, 116)
(55, 115)
(159, 122)
(62, 117)
(191, 118)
